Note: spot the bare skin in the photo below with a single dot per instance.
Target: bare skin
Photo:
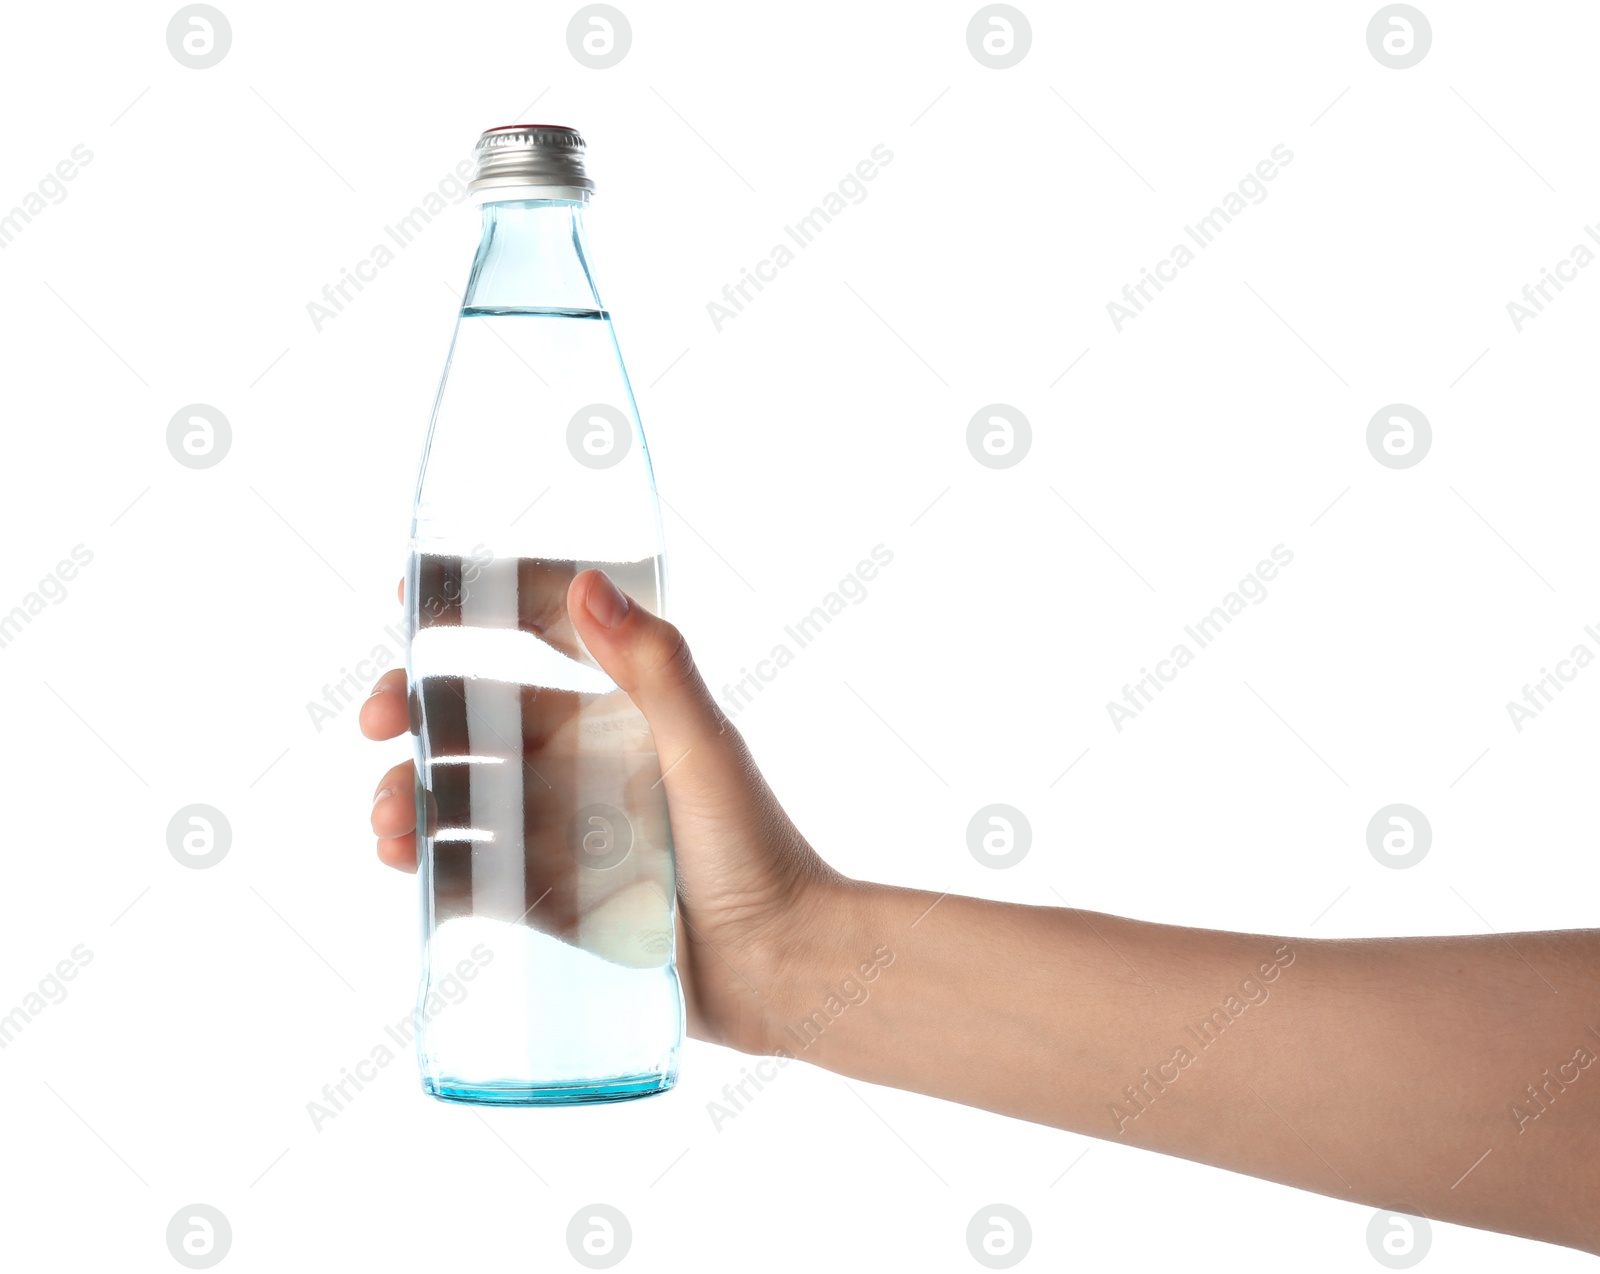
(1453, 1078)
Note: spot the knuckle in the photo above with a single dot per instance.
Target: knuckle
(671, 660)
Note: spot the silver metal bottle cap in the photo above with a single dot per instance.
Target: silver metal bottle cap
(547, 156)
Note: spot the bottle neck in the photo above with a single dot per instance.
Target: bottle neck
(533, 256)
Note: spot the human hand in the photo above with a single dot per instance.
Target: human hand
(747, 879)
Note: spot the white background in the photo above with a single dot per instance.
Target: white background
(826, 419)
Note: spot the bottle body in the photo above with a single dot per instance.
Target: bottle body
(544, 848)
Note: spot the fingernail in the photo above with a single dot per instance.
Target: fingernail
(382, 792)
(606, 602)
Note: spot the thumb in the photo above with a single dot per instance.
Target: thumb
(649, 658)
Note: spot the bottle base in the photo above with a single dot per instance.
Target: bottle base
(584, 1093)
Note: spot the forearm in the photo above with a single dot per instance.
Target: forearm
(1378, 1071)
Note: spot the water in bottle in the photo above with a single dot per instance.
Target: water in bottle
(544, 849)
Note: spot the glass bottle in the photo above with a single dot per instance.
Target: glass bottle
(545, 854)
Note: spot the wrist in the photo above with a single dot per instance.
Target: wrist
(824, 960)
